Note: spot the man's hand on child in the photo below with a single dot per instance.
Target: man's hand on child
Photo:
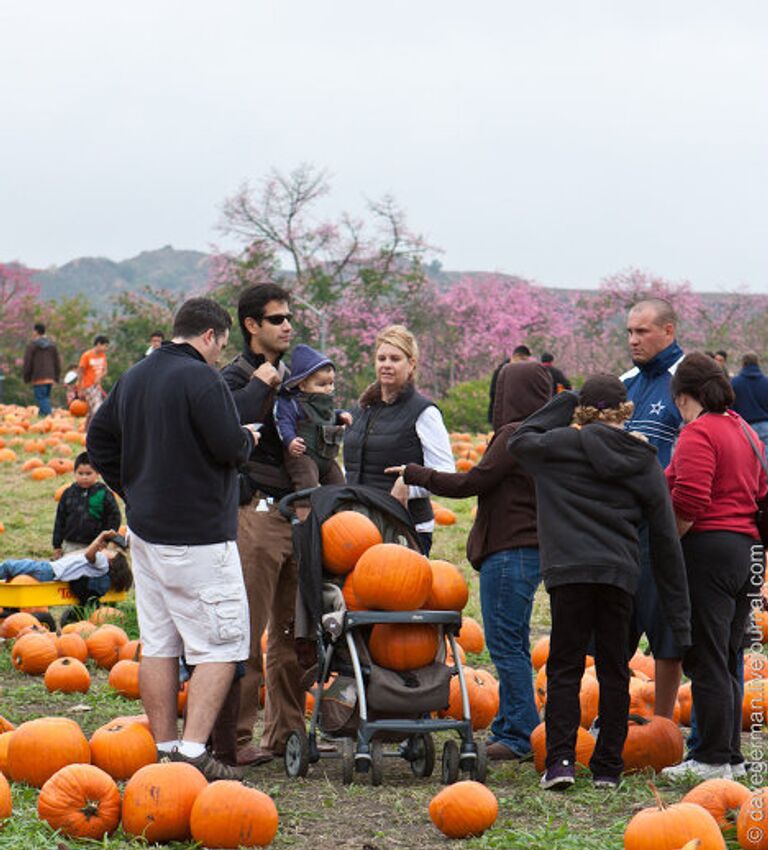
(345, 417)
(297, 447)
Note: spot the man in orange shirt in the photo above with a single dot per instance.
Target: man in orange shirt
(91, 370)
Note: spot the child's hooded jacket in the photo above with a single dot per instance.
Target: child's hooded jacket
(594, 486)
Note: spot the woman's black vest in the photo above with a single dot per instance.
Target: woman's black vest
(385, 435)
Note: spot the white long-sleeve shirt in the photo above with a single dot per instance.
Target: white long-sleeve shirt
(436, 447)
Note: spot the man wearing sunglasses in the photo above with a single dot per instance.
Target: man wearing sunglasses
(264, 536)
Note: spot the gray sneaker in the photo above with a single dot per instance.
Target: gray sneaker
(692, 769)
(211, 768)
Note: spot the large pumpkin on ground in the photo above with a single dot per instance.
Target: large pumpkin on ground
(158, 801)
(722, 798)
(392, 578)
(471, 636)
(38, 748)
(229, 815)
(664, 827)
(403, 646)
(464, 809)
(122, 747)
(32, 653)
(81, 801)
(104, 645)
(346, 535)
(752, 821)
(67, 675)
(656, 743)
(754, 707)
(483, 695)
(124, 678)
(6, 801)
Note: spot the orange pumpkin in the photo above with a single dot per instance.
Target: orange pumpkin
(754, 707)
(122, 747)
(31, 464)
(656, 742)
(81, 627)
(464, 809)
(5, 740)
(685, 701)
(6, 725)
(670, 827)
(752, 821)
(40, 747)
(158, 801)
(72, 645)
(6, 801)
(131, 651)
(471, 636)
(348, 592)
(403, 646)
(67, 675)
(42, 473)
(33, 652)
(124, 678)
(722, 798)
(755, 666)
(13, 624)
(483, 695)
(585, 746)
(80, 801)
(392, 578)
(61, 466)
(449, 590)
(346, 535)
(230, 815)
(78, 407)
(643, 663)
(106, 614)
(443, 515)
(104, 645)
(540, 653)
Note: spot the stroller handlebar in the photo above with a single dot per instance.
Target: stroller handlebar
(285, 505)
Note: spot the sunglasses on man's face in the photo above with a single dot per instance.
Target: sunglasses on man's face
(278, 318)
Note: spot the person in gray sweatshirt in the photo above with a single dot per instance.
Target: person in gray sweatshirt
(595, 484)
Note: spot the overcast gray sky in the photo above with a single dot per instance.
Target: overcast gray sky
(561, 141)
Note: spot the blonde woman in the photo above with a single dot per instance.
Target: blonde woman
(396, 424)
(595, 484)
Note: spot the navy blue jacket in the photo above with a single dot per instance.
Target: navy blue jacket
(751, 388)
(655, 414)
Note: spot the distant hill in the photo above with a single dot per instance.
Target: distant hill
(100, 278)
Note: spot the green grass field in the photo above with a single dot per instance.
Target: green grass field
(318, 812)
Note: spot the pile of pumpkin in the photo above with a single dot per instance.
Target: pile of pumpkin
(48, 445)
(381, 576)
(652, 741)
(468, 449)
(79, 794)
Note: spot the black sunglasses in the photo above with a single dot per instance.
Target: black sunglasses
(278, 318)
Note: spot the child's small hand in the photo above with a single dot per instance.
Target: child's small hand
(345, 417)
(57, 553)
(296, 447)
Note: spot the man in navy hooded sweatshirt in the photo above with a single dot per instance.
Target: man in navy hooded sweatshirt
(751, 388)
(655, 354)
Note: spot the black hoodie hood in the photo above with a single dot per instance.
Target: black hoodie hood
(614, 453)
(43, 342)
(521, 390)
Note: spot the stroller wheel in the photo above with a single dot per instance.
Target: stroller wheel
(297, 754)
(450, 772)
(347, 761)
(477, 768)
(423, 748)
(377, 763)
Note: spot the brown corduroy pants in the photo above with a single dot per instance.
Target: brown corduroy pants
(271, 581)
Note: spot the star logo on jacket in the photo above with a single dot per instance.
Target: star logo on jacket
(657, 407)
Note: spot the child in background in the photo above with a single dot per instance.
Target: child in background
(102, 568)
(85, 508)
(595, 484)
(307, 422)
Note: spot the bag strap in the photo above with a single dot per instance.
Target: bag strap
(754, 447)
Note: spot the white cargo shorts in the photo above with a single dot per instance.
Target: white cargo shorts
(190, 601)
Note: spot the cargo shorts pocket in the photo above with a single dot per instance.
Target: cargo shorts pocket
(225, 615)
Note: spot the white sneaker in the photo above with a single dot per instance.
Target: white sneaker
(697, 769)
(738, 771)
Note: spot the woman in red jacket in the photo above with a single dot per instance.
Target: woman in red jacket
(715, 479)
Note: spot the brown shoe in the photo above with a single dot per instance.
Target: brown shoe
(251, 754)
(211, 768)
(501, 752)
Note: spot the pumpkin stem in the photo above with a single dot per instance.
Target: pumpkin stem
(659, 802)
(90, 809)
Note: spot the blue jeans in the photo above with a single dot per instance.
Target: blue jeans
(42, 393)
(41, 570)
(761, 429)
(508, 582)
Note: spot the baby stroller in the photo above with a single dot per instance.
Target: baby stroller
(360, 704)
